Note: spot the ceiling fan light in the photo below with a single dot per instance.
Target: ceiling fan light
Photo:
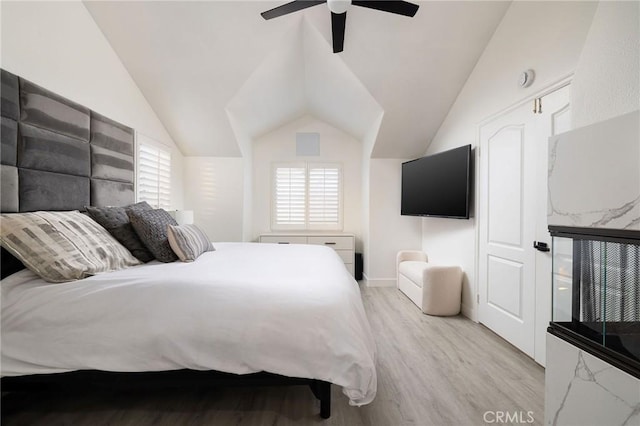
(338, 6)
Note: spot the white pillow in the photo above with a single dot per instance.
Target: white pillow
(188, 242)
(62, 246)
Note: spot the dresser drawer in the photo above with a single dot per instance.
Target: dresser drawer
(337, 242)
(346, 255)
(351, 268)
(283, 239)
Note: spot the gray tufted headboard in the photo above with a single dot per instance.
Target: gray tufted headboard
(58, 155)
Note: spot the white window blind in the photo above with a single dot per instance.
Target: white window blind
(154, 176)
(307, 196)
(290, 189)
(324, 196)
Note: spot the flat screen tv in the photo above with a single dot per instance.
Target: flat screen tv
(438, 185)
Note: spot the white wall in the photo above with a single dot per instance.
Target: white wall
(58, 46)
(545, 36)
(215, 193)
(388, 231)
(607, 80)
(335, 146)
(364, 214)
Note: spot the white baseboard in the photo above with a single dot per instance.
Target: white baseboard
(469, 312)
(379, 282)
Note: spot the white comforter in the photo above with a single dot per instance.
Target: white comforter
(292, 310)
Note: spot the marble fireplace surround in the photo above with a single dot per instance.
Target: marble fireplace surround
(581, 389)
(594, 194)
(594, 175)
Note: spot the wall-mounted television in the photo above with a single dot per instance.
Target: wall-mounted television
(438, 185)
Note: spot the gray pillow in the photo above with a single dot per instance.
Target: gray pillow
(151, 227)
(116, 221)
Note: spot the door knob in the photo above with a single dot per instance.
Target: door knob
(540, 246)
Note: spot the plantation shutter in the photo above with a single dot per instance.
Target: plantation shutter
(290, 196)
(154, 176)
(324, 196)
(307, 196)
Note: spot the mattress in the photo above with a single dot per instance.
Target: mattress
(292, 310)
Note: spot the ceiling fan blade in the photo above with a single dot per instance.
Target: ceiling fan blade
(291, 7)
(398, 7)
(338, 23)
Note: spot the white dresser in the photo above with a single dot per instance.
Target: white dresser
(343, 244)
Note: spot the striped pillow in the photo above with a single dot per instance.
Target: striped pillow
(188, 242)
(62, 246)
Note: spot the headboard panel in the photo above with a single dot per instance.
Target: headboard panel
(10, 114)
(46, 110)
(112, 167)
(59, 155)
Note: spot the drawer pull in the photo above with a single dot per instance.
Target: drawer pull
(283, 242)
(330, 243)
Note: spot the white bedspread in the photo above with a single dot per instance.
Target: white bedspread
(292, 310)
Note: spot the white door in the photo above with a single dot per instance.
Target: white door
(514, 286)
(507, 227)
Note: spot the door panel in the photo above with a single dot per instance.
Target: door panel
(504, 189)
(505, 288)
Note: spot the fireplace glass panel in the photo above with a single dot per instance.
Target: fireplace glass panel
(562, 279)
(596, 292)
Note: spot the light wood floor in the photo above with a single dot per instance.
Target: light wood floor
(431, 371)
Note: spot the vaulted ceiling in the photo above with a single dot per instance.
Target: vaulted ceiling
(218, 75)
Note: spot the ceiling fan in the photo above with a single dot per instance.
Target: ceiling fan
(339, 9)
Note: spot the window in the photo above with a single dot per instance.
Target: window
(307, 196)
(154, 173)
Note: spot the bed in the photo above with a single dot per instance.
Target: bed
(245, 313)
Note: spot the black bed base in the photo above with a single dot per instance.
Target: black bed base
(87, 379)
